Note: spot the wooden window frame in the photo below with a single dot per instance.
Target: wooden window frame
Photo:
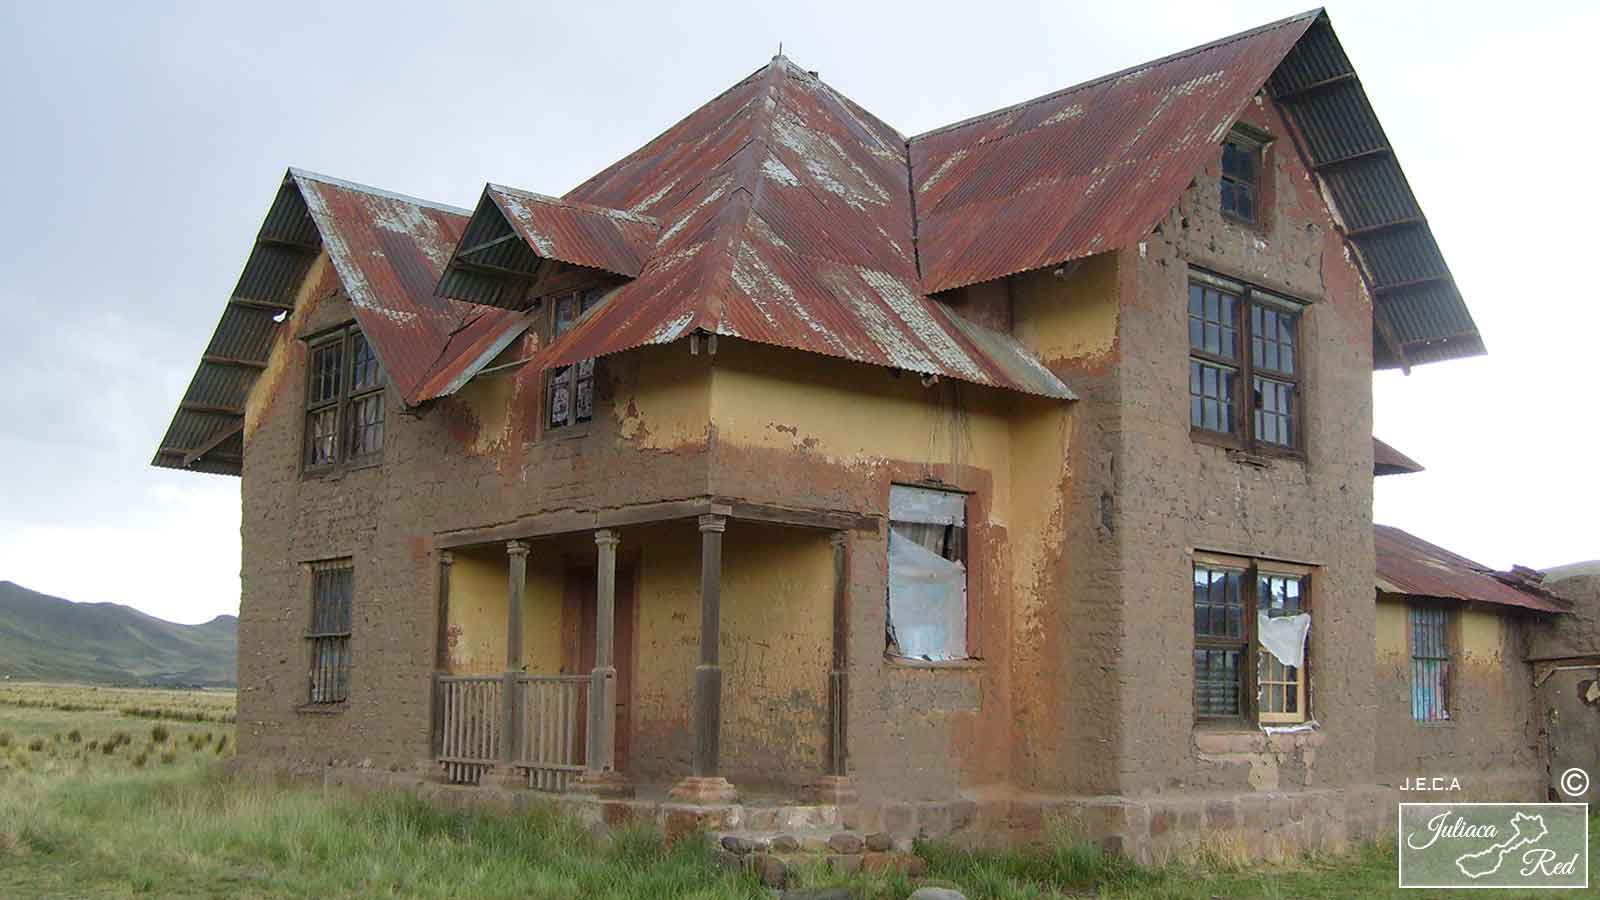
(327, 628)
(1451, 640)
(1253, 568)
(586, 300)
(962, 548)
(1244, 405)
(344, 403)
(1255, 143)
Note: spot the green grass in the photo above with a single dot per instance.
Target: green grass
(159, 815)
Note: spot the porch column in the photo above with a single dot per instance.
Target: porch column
(704, 786)
(510, 690)
(441, 651)
(835, 786)
(600, 775)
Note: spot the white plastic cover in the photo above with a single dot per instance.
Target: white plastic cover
(1284, 636)
(927, 601)
(926, 506)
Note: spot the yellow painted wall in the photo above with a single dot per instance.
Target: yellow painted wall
(1394, 627)
(1075, 318)
(1476, 636)
(662, 396)
(1482, 634)
(477, 623)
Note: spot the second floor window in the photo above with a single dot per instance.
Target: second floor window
(344, 401)
(570, 395)
(1244, 366)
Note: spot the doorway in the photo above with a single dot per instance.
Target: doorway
(578, 614)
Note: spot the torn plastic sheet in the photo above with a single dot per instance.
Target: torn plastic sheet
(926, 506)
(1301, 728)
(1284, 636)
(927, 601)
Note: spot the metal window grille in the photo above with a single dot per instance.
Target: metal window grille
(333, 586)
(1430, 665)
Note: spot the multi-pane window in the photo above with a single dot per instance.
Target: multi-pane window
(1251, 621)
(1241, 168)
(571, 391)
(344, 401)
(1430, 664)
(927, 614)
(333, 585)
(1226, 317)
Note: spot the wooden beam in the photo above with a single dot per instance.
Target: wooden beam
(487, 244)
(1316, 86)
(708, 675)
(510, 692)
(825, 519)
(233, 361)
(838, 678)
(267, 305)
(210, 408)
(1341, 160)
(602, 754)
(190, 457)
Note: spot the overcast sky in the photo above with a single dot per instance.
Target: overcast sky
(145, 141)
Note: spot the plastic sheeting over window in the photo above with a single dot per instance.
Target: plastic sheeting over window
(927, 577)
(1284, 636)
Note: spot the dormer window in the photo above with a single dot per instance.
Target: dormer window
(344, 401)
(1241, 177)
(570, 396)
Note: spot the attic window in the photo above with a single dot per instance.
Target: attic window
(570, 394)
(927, 574)
(344, 401)
(1241, 174)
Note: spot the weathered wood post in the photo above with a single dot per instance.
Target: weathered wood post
(441, 655)
(600, 775)
(510, 699)
(705, 786)
(835, 786)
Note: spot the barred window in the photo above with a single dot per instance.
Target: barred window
(1430, 664)
(333, 586)
(344, 401)
(1225, 317)
(570, 394)
(1251, 621)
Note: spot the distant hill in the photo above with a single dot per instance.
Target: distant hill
(44, 638)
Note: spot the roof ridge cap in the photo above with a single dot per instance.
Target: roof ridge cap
(1171, 57)
(574, 204)
(308, 175)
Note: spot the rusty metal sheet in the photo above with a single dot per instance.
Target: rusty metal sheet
(389, 251)
(578, 233)
(1410, 566)
(1386, 460)
(1084, 170)
(786, 219)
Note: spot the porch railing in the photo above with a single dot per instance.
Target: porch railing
(470, 727)
(550, 749)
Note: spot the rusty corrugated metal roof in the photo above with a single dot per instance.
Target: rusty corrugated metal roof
(1412, 567)
(1096, 166)
(578, 233)
(1083, 170)
(786, 220)
(1386, 460)
(386, 251)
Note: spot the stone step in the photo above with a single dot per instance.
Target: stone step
(810, 840)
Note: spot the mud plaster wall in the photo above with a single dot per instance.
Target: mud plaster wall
(1175, 495)
(1491, 737)
(446, 466)
(803, 430)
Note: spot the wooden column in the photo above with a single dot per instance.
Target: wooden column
(704, 786)
(835, 786)
(510, 693)
(600, 775)
(603, 680)
(441, 653)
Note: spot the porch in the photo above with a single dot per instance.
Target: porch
(586, 654)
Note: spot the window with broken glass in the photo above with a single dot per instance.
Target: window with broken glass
(1430, 664)
(927, 603)
(570, 395)
(333, 586)
(1252, 621)
(1241, 335)
(344, 401)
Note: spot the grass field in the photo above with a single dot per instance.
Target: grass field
(78, 822)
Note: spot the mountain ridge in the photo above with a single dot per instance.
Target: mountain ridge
(47, 638)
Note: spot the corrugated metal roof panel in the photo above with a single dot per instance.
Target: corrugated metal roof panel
(1386, 460)
(1410, 566)
(796, 232)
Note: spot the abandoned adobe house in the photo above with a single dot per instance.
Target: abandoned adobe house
(1018, 470)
